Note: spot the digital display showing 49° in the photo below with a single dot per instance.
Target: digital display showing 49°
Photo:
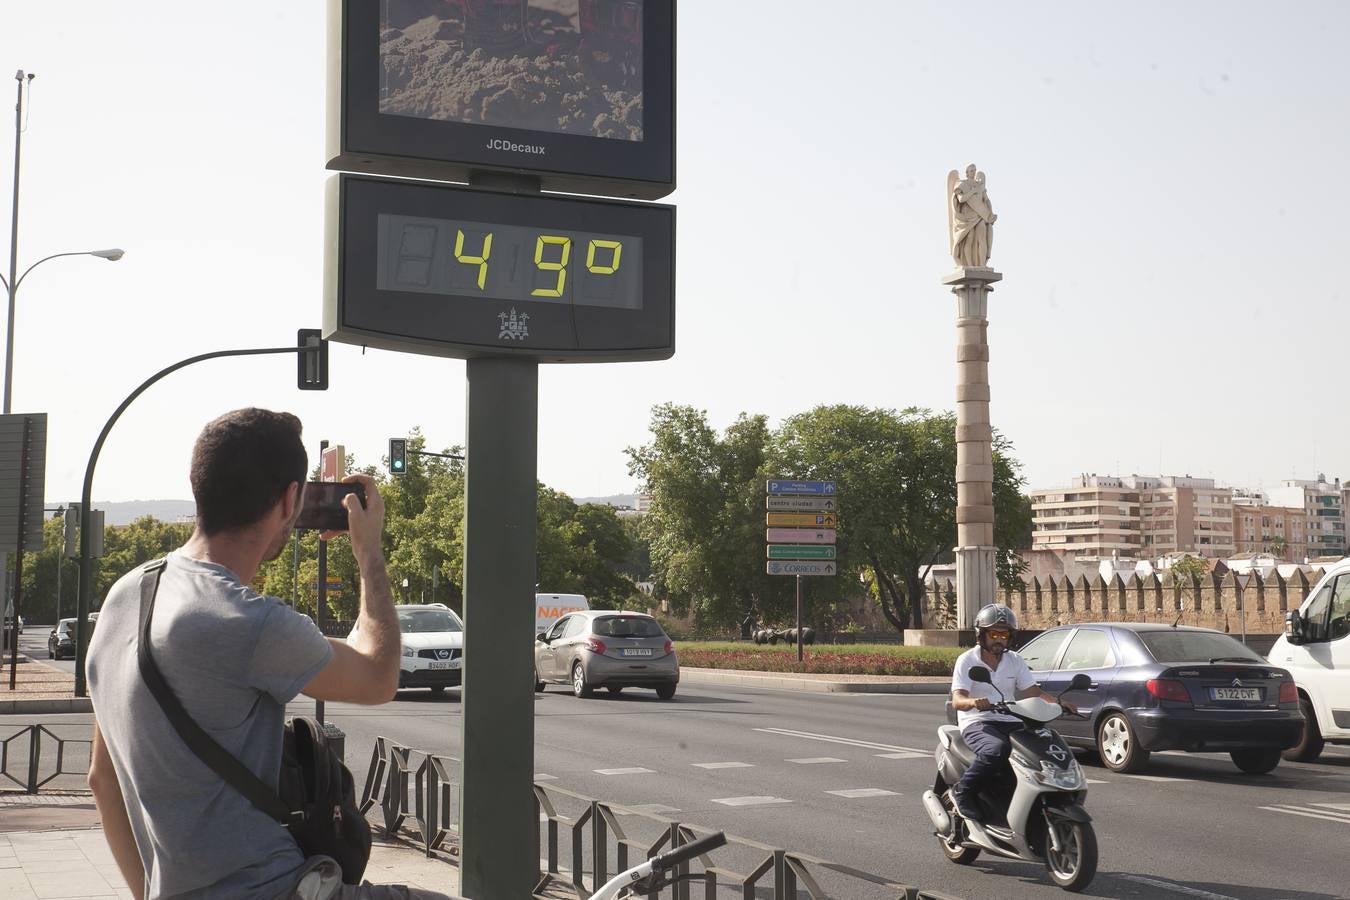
(464, 272)
(464, 258)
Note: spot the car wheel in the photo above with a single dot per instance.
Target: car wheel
(1118, 746)
(51, 654)
(665, 691)
(1309, 745)
(579, 685)
(615, 689)
(1255, 762)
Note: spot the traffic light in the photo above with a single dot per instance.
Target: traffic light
(312, 364)
(398, 456)
(72, 533)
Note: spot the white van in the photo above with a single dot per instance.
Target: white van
(1315, 648)
(549, 608)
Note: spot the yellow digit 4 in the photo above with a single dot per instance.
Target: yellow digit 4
(616, 246)
(480, 261)
(560, 266)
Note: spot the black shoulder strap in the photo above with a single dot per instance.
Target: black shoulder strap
(220, 760)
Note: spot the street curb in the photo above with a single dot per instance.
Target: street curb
(45, 707)
(814, 685)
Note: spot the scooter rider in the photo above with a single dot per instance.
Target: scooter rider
(984, 730)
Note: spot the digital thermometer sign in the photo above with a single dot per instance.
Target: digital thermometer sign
(464, 258)
(454, 271)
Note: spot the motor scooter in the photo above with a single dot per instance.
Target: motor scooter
(1033, 813)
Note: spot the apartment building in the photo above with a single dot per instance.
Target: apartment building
(1095, 515)
(1323, 505)
(1133, 516)
(1260, 527)
(1181, 514)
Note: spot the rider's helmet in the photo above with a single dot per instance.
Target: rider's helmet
(995, 615)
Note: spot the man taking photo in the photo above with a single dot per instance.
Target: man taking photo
(234, 659)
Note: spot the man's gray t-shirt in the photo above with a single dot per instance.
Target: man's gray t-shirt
(234, 659)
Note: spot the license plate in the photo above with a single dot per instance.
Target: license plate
(636, 651)
(1235, 693)
(439, 665)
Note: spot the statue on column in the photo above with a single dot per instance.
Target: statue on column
(970, 218)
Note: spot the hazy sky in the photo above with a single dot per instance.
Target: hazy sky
(1168, 177)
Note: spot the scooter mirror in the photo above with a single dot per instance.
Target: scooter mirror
(979, 673)
(1080, 682)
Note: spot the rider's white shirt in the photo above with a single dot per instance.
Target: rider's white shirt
(1011, 676)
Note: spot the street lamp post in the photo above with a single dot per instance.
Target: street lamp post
(12, 283)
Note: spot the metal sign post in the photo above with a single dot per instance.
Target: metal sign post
(497, 814)
(805, 520)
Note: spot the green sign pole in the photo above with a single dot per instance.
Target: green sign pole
(499, 854)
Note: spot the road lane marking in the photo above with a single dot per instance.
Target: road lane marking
(905, 754)
(723, 765)
(544, 776)
(812, 760)
(1176, 888)
(833, 739)
(649, 809)
(750, 801)
(1156, 778)
(1310, 813)
(633, 770)
(855, 793)
(1342, 807)
(1096, 781)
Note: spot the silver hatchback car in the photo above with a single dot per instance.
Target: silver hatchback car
(612, 649)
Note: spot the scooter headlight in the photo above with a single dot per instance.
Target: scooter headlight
(1069, 778)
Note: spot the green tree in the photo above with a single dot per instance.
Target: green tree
(1186, 574)
(705, 528)
(897, 493)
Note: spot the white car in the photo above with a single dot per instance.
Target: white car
(433, 646)
(1315, 648)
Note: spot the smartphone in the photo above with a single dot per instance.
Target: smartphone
(323, 509)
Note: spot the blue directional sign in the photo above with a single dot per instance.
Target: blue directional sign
(801, 487)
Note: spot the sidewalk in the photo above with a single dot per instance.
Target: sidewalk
(828, 684)
(60, 853)
(39, 689)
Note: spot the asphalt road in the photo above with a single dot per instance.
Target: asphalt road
(839, 776)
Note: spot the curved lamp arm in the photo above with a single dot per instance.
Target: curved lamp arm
(112, 255)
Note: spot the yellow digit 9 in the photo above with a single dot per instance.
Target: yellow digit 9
(616, 246)
(560, 266)
(480, 261)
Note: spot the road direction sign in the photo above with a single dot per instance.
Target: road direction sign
(800, 487)
(799, 551)
(802, 520)
(826, 504)
(799, 535)
(797, 567)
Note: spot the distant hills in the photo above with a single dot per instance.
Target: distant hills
(126, 512)
(629, 500)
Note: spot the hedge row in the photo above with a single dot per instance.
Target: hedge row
(827, 659)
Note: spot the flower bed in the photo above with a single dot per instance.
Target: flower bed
(823, 659)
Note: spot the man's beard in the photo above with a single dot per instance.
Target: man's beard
(997, 649)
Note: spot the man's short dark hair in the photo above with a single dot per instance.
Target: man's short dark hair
(242, 464)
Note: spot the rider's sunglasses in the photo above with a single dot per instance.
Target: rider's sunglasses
(999, 634)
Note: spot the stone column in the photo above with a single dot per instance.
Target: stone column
(976, 583)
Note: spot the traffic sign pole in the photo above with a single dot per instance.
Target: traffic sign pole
(800, 588)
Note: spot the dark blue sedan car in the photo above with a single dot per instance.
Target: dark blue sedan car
(1164, 687)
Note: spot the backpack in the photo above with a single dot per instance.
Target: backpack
(315, 799)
